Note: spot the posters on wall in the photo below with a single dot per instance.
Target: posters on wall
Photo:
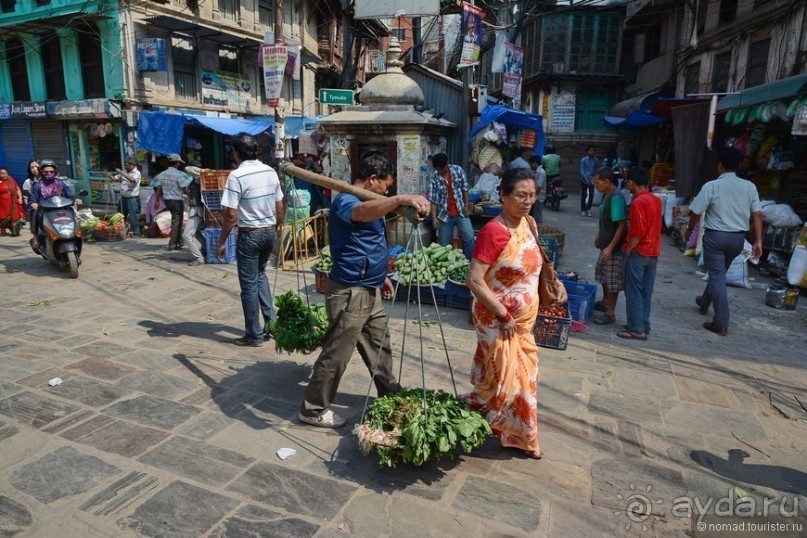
(225, 89)
(275, 58)
(561, 112)
(512, 70)
(150, 54)
(471, 34)
(800, 120)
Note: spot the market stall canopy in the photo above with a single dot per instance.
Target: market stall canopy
(781, 89)
(665, 105)
(636, 121)
(516, 118)
(644, 102)
(162, 132)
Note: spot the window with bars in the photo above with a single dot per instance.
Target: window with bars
(40, 3)
(720, 72)
(399, 33)
(228, 59)
(51, 53)
(590, 106)
(15, 57)
(266, 12)
(692, 76)
(653, 42)
(229, 9)
(757, 63)
(582, 43)
(703, 9)
(92, 66)
(184, 60)
(7, 6)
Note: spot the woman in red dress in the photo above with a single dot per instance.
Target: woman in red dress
(11, 208)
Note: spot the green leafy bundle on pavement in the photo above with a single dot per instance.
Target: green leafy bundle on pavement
(415, 426)
(299, 327)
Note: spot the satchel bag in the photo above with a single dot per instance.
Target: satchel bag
(551, 290)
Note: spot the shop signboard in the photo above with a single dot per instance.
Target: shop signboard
(87, 108)
(274, 67)
(28, 109)
(151, 54)
(5, 111)
(220, 88)
(561, 118)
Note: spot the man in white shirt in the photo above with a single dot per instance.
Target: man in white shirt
(172, 182)
(130, 193)
(253, 200)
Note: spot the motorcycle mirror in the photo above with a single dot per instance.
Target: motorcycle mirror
(83, 192)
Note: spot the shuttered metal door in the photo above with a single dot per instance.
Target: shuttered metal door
(50, 142)
(17, 147)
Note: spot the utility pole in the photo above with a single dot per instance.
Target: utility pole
(417, 41)
(347, 42)
(280, 109)
(465, 124)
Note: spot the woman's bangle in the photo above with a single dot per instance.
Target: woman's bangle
(507, 318)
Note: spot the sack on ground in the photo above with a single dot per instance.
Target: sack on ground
(797, 269)
(781, 215)
(737, 273)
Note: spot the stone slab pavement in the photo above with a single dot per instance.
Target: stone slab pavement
(163, 428)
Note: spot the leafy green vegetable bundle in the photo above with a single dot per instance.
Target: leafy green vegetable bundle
(299, 327)
(402, 429)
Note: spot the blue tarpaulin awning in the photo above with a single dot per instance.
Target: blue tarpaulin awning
(781, 89)
(162, 132)
(516, 118)
(636, 121)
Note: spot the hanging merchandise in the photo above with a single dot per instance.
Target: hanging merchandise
(527, 138)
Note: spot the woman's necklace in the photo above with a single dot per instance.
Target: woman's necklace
(507, 223)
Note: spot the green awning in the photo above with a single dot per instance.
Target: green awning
(781, 89)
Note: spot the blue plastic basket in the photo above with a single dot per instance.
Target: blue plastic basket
(212, 199)
(212, 237)
(492, 210)
(582, 296)
(551, 247)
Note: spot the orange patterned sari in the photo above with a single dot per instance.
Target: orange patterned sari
(505, 371)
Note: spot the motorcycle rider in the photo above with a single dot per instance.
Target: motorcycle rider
(48, 186)
(551, 163)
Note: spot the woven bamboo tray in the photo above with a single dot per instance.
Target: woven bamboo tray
(555, 232)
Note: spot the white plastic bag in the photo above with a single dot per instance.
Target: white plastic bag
(781, 215)
(737, 272)
(798, 266)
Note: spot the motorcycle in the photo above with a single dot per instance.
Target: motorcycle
(555, 193)
(59, 235)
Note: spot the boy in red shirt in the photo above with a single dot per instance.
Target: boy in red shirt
(642, 248)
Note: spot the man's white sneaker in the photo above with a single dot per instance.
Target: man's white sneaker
(588, 213)
(582, 213)
(326, 419)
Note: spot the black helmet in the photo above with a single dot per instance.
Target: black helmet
(47, 162)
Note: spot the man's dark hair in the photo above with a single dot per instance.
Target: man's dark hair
(730, 158)
(590, 147)
(440, 160)
(375, 162)
(638, 175)
(246, 146)
(513, 176)
(536, 159)
(606, 173)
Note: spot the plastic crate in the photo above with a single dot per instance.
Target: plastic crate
(492, 210)
(212, 199)
(552, 332)
(582, 296)
(551, 248)
(320, 279)
(212, 236)
(213, 180)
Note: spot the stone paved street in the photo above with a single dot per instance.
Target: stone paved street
(161, 427)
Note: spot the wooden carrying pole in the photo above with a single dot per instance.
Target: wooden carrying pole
(337, 185)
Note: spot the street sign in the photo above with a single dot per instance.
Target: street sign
(336, 97)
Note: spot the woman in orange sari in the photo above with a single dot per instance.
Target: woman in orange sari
(503, 278)
(11, 208)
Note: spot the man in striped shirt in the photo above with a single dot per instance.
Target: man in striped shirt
(254, 202)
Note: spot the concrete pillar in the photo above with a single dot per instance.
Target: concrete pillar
(71, 64)
(6, 92)
(112, 57)
(36, 70)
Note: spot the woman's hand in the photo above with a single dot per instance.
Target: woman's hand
(508, 328)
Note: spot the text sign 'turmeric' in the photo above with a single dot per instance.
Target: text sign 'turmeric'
(336, 97)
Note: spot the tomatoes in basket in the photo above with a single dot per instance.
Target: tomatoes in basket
(554, 311)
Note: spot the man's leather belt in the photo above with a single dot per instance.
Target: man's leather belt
(241, 229)
(725, 232)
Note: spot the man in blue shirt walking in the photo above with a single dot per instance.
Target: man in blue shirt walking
(356, 285)
(588, 165)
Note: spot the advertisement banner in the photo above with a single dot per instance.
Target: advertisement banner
(151, 54)
(225, 89)
(275, 58)
(561, 118)
(512, 70)
(471, 34)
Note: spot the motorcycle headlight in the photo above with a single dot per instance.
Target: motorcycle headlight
(66, 229)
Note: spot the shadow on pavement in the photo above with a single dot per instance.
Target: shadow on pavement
(209, 331)
(776, 477)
